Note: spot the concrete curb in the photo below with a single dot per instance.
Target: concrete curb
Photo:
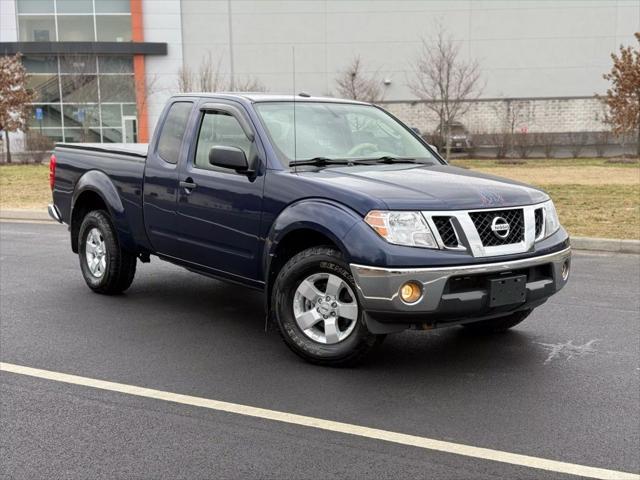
(26, 215)
(578, 243)
(605, 245)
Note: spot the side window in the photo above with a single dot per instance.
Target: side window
(219, 129)
(173, 130)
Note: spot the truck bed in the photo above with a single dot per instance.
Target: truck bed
(118, 168)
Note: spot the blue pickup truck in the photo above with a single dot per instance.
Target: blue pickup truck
(352, 225)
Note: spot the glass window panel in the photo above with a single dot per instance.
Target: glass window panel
(117, 88)
(79, 88)
(40, 64)
(173, 129)
(34, 143)
(219, 129)
(75, 28)
(75, 6)
(112, 135)
(116, 64)
(114, 28)
(35, 6)
(113, 6)
(111, 116)
(50, 116)
(80, 135)
(129, 110)
(37, 28)
(78, 64)
(45, 87)
(81, 115)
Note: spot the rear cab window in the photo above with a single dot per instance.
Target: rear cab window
(173, 130)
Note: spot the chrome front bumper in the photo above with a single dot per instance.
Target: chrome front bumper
(378, 288)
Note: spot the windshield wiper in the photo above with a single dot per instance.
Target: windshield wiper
(321, 161)
(392, 159)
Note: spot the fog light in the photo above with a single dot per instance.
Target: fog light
(565, 270)
(410, 292)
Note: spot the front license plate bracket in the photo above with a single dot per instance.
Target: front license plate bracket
(507, 290)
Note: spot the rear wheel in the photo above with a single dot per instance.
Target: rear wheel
(497, 325)
(317, 309)
(106, 268)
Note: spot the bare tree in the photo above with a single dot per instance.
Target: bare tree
(14, 97)
(445, 81)
(353, 83)
(207, 78)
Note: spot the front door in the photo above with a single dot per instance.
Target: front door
(219, 210)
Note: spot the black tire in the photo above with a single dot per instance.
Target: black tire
(120, 265)
(350, 350)
(497, 325)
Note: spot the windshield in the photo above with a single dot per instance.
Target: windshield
(338, 131)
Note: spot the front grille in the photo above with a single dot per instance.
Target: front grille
(539, 221)
(483, 221)
(446, 231)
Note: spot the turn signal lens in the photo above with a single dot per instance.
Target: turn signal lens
(410, 292)
(565, 270)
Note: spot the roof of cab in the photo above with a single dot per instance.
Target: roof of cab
(256, 97)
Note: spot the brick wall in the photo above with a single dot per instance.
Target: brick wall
(557, 115)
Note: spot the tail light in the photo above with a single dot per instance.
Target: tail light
(52, 171)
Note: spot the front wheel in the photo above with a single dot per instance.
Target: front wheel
(106, 268)
(497, 325)
(317, 310)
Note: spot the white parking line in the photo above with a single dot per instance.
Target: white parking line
(339, 427)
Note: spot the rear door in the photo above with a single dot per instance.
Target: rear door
(161, 178)
(219, 210)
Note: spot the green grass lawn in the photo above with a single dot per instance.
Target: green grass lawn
(24, 187)
(593, 197)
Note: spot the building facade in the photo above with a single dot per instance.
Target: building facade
(548, 56)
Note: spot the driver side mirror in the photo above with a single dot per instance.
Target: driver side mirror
(229, 157)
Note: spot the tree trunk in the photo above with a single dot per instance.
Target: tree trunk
(448, 141)
(638, 144)
(6, 136)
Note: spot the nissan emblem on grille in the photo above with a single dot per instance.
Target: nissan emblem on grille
(500, 227)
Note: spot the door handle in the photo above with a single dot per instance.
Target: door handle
(188, 185)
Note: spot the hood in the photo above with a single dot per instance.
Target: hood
(428, 187)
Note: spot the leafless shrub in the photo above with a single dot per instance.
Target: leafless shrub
(207, 78)
(523, 143)
(353, 83)
(547, 142)
(501, 141)
(577, 142)
(249, 84)
(513, 117)
(445, 81)
(602, 140)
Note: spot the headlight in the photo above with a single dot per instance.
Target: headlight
(551, 222)
(402, 228)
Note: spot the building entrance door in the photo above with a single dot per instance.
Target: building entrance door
(129, 129)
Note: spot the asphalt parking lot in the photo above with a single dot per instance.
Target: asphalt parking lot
(564, 385)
